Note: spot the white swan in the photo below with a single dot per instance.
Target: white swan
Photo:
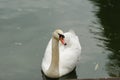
(61, 55)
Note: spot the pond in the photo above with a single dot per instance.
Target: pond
(26, 27)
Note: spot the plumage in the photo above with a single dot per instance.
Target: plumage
(69, 54)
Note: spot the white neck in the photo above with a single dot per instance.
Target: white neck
(53, 70)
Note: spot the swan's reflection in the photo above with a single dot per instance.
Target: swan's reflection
(71, 75)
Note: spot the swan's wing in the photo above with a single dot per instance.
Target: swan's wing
(47, 57)
(69, 54)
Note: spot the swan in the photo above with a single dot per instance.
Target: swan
(62, 54)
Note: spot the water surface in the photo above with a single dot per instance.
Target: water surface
(26, 27)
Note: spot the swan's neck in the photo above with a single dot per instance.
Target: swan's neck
(53, 70)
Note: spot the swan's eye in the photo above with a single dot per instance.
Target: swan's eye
(60, 35)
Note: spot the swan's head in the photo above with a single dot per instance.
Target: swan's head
(59, 35)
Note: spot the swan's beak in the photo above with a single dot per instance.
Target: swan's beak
(61, 38)
(62, 41)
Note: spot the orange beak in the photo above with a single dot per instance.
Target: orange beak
(62, 41)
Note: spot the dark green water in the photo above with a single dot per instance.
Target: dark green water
(26, 27)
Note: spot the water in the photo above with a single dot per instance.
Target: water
(26, 27)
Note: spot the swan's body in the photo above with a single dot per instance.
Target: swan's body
(61, 59)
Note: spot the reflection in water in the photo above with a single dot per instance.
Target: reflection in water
(71, 75)
(109, 16)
